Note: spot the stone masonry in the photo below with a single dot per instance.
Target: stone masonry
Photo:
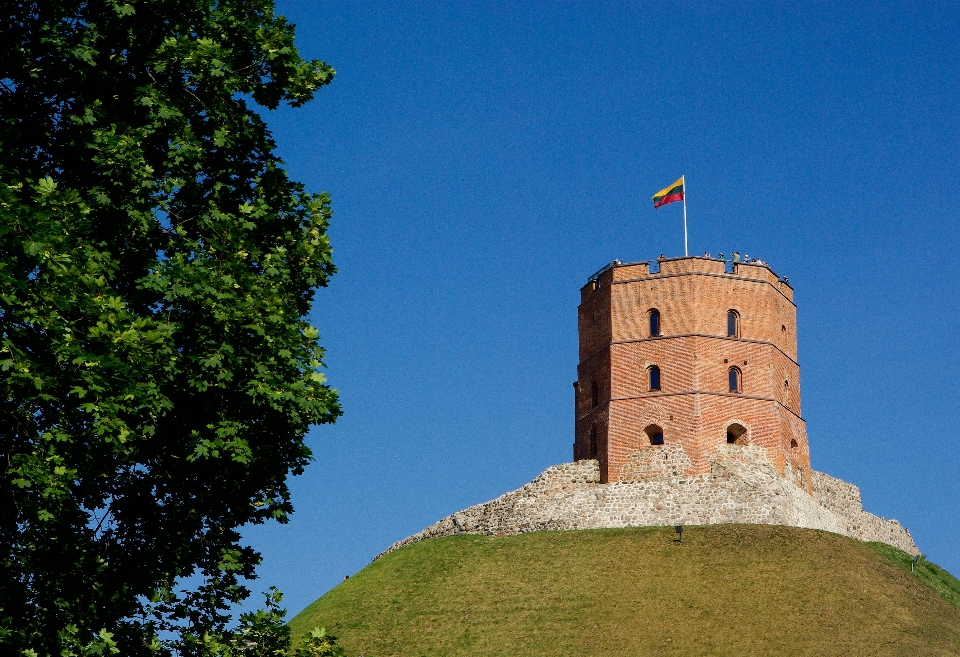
(742, 486)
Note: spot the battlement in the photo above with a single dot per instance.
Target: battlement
(620, 272)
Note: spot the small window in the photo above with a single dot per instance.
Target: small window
(595, 394)
(736, 383)
(592, 447)
(654, 323)
(733, 324)
(736, 434)
(654, 434)
(653, 375)
(793, 444)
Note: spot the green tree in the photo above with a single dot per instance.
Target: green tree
(156, 268)
(319, 643)
(265, 634)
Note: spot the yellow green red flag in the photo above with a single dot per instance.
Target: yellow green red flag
(669, 194)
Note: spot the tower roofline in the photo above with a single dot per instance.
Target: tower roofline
(626, 272)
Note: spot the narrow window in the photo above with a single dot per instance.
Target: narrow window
(592, 447)
(733, 324)
(654, 434)
(595, 392)
(735, 382)
(793, 444)
(653, 373)
(654, 323)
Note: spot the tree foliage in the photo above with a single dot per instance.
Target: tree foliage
(320, 643)
(156, 268)
(264, 633)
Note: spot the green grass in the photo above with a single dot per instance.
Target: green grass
(727, 590)
(929, 574)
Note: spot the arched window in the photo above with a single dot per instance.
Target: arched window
(654, 323)
(653, 376)
(655, 434)
(733, 324)
(793, 444)
(595, 394)
(592, 447)
(736, 382)
(736, 434)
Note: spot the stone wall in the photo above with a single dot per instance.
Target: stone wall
(836, 494)
(741, 487)
(844, 499)
(655, 462)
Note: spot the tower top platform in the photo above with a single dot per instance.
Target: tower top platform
(623, 272)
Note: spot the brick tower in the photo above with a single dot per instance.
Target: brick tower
(691, 355)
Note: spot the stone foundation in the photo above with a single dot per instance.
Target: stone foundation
(741, 487)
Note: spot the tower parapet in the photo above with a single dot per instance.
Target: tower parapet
(698, 353)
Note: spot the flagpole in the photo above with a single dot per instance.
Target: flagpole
(685, 252)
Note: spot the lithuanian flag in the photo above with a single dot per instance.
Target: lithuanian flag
(669, 194)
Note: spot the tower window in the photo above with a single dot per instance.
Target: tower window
(733, 324)
(654, 323)
(736, 380)
(595, 394)
(655, 434)
(653, 374)
(736, 434)
(793, 444)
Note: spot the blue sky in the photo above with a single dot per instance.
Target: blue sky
(484, 160)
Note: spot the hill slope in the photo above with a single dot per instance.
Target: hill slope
(727, 590)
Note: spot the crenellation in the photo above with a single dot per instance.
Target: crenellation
(691, 264)
(631, 271)
(762, 272)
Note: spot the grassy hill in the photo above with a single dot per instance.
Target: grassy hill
(727, 590)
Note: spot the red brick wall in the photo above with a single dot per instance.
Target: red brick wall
(694, 406)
